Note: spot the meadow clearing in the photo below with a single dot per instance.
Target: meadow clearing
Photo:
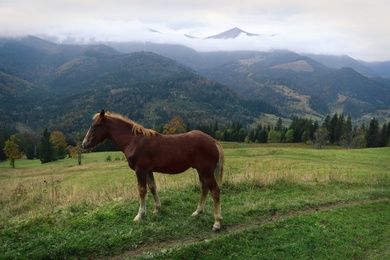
(278, 201)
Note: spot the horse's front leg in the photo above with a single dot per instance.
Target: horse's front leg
(153, 190)
(141, 178)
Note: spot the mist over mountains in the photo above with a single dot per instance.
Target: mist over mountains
(61, 85)
(230, 40)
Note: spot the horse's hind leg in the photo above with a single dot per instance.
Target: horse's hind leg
(153, 190)
(215, 193)
(203, 196)
(209, 183)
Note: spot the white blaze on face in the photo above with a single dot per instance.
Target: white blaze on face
(85, 138)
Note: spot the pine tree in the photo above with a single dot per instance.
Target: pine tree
(387, 136)
(4, 136)
(46, 153)
(383, 137)
(373, 136)
(346, 133)
(262, 136)
(279, 125)
(332, 130)
(338, 131)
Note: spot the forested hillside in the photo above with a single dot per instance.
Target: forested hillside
(43, 84)
(298, 85)
(62, 86)
(278, 96)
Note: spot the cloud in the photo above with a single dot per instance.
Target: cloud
(356, 28)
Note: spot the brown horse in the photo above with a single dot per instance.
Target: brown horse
(147, 151)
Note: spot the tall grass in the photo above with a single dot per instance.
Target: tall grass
(34, 188)
(266, 165)
(39, 189)
(61, 209)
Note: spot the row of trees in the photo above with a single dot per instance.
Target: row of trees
(50, 147)
(335, 130)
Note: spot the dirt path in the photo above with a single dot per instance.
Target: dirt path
(168, 245)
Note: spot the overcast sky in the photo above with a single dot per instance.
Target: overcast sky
(358, 28)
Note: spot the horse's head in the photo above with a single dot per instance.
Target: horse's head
(97, 133)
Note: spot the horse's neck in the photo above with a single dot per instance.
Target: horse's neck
(121, 133)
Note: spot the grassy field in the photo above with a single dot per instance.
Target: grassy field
(278, 202)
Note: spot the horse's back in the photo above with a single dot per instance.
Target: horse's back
(176, 153)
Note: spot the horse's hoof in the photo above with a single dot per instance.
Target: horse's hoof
(196, 213)
(216, 229)
(137, 218)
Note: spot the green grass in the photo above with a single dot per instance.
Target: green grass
(278, 201)
(355, 232)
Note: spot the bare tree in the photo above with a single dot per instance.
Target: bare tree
(320, 137)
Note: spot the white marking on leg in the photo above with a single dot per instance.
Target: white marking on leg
(217, 209)
(142, 202)
(141, 210)
(217, 217)
(202, 203)
(203, 197)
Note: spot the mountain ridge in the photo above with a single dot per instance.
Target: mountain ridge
(62, 85)
(256, 74)
(144, 86)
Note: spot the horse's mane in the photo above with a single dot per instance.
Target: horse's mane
(137, 128)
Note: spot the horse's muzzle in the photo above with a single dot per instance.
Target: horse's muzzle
(86, 145)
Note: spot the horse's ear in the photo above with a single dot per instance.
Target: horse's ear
(102, 114)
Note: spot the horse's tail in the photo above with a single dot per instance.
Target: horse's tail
(218, 172)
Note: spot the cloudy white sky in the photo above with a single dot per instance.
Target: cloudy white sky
(358, 28)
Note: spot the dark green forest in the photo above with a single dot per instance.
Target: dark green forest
(60, 87)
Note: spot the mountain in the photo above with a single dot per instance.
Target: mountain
(182, 54)
(301, 86)
(231, 34)
(369, 69)
(381, 68)
(344, 61)
(43, 84)
(61, 86)
(298, 85)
